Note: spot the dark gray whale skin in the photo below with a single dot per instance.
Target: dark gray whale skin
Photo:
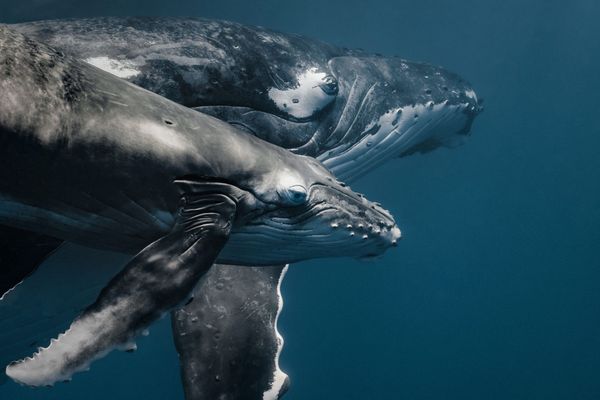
(79, 143)
(247, 75)
(92, 159)
(228, 70)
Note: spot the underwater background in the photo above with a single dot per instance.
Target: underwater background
(494, 292)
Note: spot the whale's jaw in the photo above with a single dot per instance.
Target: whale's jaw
(398, 132)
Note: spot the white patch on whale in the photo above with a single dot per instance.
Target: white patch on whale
(471, 94)
(272, 38)
(45, 303)
(54, 363)
(121, 68)
(306, 98)
(279, 376)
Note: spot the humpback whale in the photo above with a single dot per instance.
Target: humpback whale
(350, 109)
(91, 159)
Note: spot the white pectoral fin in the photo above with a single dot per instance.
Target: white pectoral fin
(157, 279)
(48, 300)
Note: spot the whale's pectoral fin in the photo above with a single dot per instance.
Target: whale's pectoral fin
(21, 252)
(227, 336)
(157, 279)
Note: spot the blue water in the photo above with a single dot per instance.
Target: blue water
(494, 293)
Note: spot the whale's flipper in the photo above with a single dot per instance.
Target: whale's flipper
(157, 279)
(227, 336)
(47, 301)
(20, 254)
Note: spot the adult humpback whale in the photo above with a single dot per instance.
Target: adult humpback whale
(351, 109)
(89, 158)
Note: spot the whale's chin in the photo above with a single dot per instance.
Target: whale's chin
(322, 231)
(352, 242)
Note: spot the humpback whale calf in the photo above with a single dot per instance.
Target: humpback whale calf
(351, 109)
(89, 158)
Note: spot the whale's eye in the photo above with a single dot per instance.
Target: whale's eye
(329, 85)
(295, 195)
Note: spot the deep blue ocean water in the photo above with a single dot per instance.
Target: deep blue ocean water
(494, 292)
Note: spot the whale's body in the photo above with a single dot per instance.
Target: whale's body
(80, 158)
(91, 159)
(350, 109)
